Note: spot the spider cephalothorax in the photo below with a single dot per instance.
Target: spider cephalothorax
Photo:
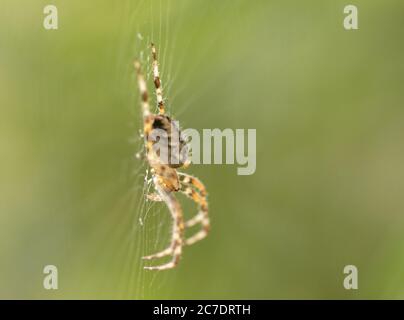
(163, 161)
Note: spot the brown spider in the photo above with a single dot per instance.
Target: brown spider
(165, 177)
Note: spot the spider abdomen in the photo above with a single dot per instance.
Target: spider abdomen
(173, 149)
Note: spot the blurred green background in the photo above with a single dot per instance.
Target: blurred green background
(327, 105)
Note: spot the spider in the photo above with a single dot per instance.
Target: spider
(166, 179)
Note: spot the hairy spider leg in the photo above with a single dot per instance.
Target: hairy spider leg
(175, 248)
(157, 80)
(147, 116)
(194, 189)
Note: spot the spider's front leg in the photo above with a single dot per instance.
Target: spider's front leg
(175, 248)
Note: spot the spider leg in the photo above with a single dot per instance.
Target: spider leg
(143, 89)
(175, 248)
(154, 197)
(147, 116)
(194, 182)
(189, 184)
(157, 81)
(160, 254)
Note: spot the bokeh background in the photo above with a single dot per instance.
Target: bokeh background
(327, 105)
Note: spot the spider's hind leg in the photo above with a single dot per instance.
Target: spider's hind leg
(154, 197)
(161, 254)
(176, 253)
(189, 186)
(175, 248)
